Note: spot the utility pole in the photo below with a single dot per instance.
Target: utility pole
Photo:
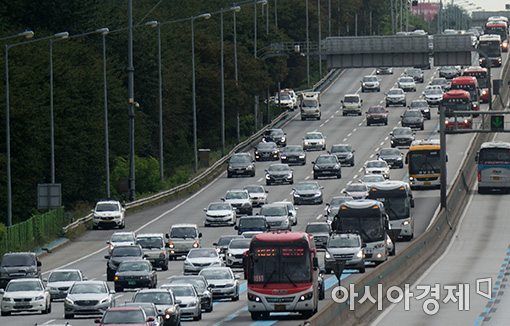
(131, 104)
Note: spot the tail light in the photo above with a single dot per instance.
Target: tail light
(479, 176)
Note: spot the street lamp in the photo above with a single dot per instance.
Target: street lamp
(28, 34)
(194, 101)
(320, 37)
(104, 32)
(7, 47)
(255, 3)
(307, 47)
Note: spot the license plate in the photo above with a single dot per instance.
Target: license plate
(280, 307)
(21, 306)
(495, 178)
(131, 282)
(427, 183)
(239, 171)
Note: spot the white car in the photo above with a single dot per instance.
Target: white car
(356, 190)
(314, 140)
(351, 104)
(377, 167)
(292, 211)
(121, 239)
(223, 282)
(200, 258)
(407, 84)
(60, 280)
(396, 96)
(433, 94)
(220, 213)
(235, 252)
(240, 200)
(108, 213)
(370, 83)
(371, 179)
(189, 300)
(25, 294)
(257, 193)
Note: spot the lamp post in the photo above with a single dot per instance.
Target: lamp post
(307, 47)
(236, 77)
(194, 101)
(320, 37)
(58, 36)
(255, 3)
(27, 34)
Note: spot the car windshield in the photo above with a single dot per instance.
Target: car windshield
(24, 286)
(224, 241)
(219, 207)
(265, 146)
(341, 148)
(376, 109)
(183, 232)
(419, 104)
(149, 309)
(276, 132)
(433, 91)
(293, 149)
(240, 159)
(445, 68)
(278, 167)
(150, 242)
(107, 207)
(123, 237)
(158, 298)
(64, 276)
(313, 136)
(18, 260)
(254, 189)
(308, 103)
(216, 274)
(351, 99)
(413, 72)
(343, 242)
(402, 131)
(395, 92)
(285, 97)
(370, 79)
(252, 223)
(182, 291)
(317, 228)
(376, 164)
(88, 288)
(389, 152)
(126, 251)
(307, 186)
(326, 159)
(337, 201)
(240, 244)
(356, 187)
(203, 253)
(413, 114)
(439, 81)
(134, 267)
(406, 80)
(117, 317)
(273, 211)
(197, 281)
(237, 195)
(373, 178)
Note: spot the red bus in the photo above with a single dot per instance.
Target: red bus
(282, 270)
(469, 84)
(482, 77)
(498, 28)
(456, 100)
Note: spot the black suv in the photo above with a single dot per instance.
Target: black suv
(18, 265)
(327, 165)
(276, 136)
(120, 254)
(241, 164)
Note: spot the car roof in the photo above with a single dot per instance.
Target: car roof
(317, 223)
(108, 202)
(124, 308)
(218, 268)
(20, 280)
(352, 94)
(65, 270)
(123, 232)
(142, 235)
(184, 225)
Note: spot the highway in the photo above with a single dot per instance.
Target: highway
(87, 252)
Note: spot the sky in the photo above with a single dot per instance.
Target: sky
(489, 5)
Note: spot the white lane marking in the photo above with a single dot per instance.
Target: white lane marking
(371, 155)
(48, 322)
(326, 121)
(345, 139)
(382, 143)
(143, 226)
(354, 130)
(337, 111)
(355, 176)
(348, 183)
(378, 148)
(318, 217)
(332, 116)
(360, 169)
(349, 134)
(307, 177)
(359, 124)
(259, 180)
(321, 125)
(387, 137)
(325, 208)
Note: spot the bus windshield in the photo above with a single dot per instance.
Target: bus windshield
(280, 264)
(368, 223)
(397, 208)
(491, 49)
(481, 77)
(494, 156)
(455, 104)
(424, 162)
(501, 31)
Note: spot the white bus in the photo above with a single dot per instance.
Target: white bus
(493, 160)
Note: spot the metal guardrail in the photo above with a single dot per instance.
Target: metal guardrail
(213, 169)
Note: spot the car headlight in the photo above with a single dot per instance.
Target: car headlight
(321, 141)
(360, 254)
(426, 110)
(69, 301)
(327, 255)
(6, 299)
(283, 157)
(195, 244)
(389, 242)
(283, 139)
(317, 194)
(194, 303)
(405, 223)
(399, 159)
(296, 194)
(105, 300)
(306, 296)
(316, 167)
(229, 254)
(289, 175)
(39, 298)
(301, 156)
(186, 262)
(306, 142)
(250, 167)
(268, 176)
(275, 152)
(337, 166)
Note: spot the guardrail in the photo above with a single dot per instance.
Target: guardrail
(414, 260)
(217, 167)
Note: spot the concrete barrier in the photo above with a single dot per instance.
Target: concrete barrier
(413, 261)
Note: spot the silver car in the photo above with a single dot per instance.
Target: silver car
(181, 239)
(277, 216)
(154, 249)
(121, 239)
(235, 252)
(165, 302)
(347, 248)
(201, 286)
(27, 294)
(200, 258)
(223, 282)
(220, 213)
(188, 299)
(258, 194)
(88, 298)
(240, 200)
(60, 280)
(292, 210)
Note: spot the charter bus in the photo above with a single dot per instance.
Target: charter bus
(282, 271)
(493, 160)
(424, 164)
(498, 28)
(368, 218)
(468, 84)
(490, 46)
(482, 77)
(397, 199)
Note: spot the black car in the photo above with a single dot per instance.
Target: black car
(267, 152)
(384, 71)
(19, 265)
(392, 156)
(449, 72)
(344, 153)
(276, 136)
(401, 136)
(413, 118)
(416, 73)
(135, 274)
(241, 164)
(251, 224)
(421, 105)
(293, 154)
(200, 284)
(279, 174)
(120, 254)
(327, 165)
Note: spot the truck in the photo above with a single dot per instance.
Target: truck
(310, 106)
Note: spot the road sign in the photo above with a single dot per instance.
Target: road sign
(497, 122)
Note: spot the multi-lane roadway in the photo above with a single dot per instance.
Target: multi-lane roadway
(87, 252)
